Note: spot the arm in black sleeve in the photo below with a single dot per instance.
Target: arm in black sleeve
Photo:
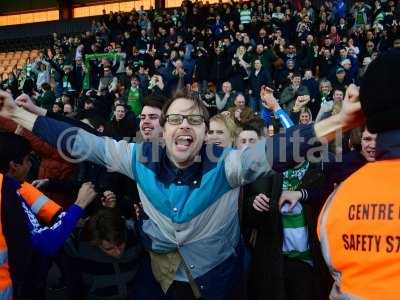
(63, 186)
(295, 116)
(290, 147)
(115, 67)
(74, 122)
(319, 195)
(56, 67)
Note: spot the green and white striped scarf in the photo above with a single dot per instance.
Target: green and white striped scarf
(295, 233)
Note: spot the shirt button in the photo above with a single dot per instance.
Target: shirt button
(192, 266)
(175, 209)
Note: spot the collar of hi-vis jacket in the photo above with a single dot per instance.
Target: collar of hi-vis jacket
(388, 145)
(167, 173)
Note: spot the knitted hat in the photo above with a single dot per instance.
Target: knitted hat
(345, 62)
(379, 92)
(340, 70)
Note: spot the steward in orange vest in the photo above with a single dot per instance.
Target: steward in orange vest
(24, 243)
(359, 226)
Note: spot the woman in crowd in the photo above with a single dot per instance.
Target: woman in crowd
(222, 131)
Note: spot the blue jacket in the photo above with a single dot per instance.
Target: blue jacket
(194, 210)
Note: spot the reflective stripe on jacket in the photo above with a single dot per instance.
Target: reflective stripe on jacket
(43, 207)
(5, 278)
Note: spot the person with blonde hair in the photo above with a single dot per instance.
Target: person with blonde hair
(222, 131)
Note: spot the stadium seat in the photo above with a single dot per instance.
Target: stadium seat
(33, 54)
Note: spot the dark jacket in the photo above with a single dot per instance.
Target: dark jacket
(256, 81)
(217, 68)
(46, 100)
(267, 280)
(202, 67)
(92, 274)
(123, 128)
(28, 268)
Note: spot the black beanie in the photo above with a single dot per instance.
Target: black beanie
(380, 92)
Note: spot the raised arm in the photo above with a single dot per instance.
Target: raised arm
(74, 143)
(271, 103)
(287, 149)
(48, 240)
(120, 156)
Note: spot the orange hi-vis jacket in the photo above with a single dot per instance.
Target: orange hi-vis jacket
(43, 207)
(359, 231)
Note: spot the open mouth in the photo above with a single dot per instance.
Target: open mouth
(214, 142)
(371, 153)
(183, 142)
(147, 130)
(217, 143)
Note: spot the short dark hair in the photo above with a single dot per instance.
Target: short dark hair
(95, 120)
(120, 104)
(186, 95)
(255, 124)
(46, 87)
(155, 100)
(12, 148)
(106, 224)
(296, 74)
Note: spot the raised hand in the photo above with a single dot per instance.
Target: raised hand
(27, 103)
(86, 195)
(7, 105)
(301, 101)
(351, 115)
(268, 99)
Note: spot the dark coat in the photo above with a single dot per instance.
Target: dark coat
(92, 274)
(267, 281)
(217, 68)
(123, 128)
(256, 82)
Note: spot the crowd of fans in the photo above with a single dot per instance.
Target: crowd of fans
(114, 80)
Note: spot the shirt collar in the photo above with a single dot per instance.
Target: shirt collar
(168, 173)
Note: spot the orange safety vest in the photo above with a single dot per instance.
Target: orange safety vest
(359, 231)
(5, 278)
(44, 208)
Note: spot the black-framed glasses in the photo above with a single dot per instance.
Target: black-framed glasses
(177, 119)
